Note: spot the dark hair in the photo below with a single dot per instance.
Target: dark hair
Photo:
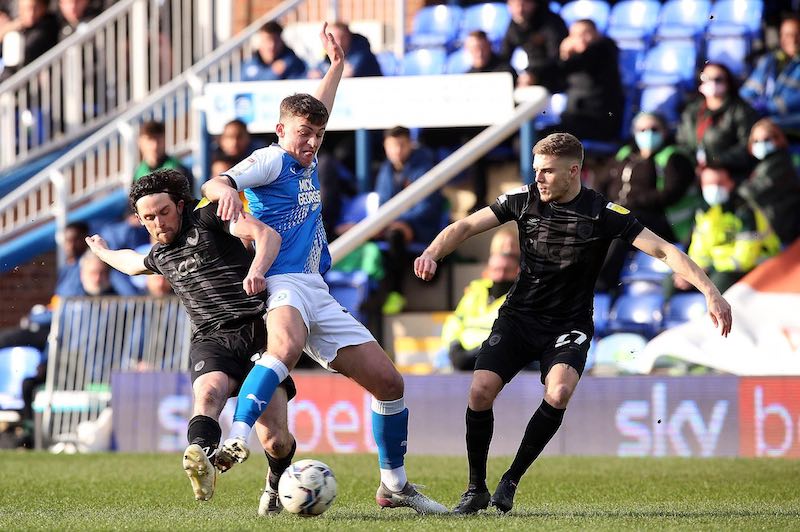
(272, 27)
(560, 145)
(164, 180)
(236, 122)
(152, 128)
(306, 106)
(589, 22)
(80, 227)
(397, 131)
(479, 34)
(730, 79)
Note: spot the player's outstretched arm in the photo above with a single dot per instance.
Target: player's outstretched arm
(450, 238)
(219, 189)
(718, 308)
(267, 242)
(326, 91)
(125, 260)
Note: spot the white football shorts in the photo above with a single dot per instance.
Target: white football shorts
(330, 326)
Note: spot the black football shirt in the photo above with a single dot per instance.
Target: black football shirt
(563, 248)
(206, 266)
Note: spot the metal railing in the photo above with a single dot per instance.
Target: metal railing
(86, 80)
(106, 160)
(91, 339)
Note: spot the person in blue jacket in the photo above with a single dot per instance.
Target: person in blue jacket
(273, 60)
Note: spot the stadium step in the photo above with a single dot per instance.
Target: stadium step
(413, 340)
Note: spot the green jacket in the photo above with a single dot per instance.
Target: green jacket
(472, 320)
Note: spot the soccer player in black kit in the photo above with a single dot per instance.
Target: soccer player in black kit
(221, 284)
(564, 230)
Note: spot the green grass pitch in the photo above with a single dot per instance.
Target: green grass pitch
(150, 492)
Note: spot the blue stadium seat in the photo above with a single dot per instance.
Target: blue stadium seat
(424, 62)
(662, 99)
(493, 18)
(639, 287)
(458, 62)
(630, 61)
(640, 314)
(731, 52)
(670, 63)
(388, 62)
(633, 20)
(435, 26)
(602, 307)
(642, 267)
(359, 207)
(683, 19)
(595, 10)
(550, 115)
(519, 60)
(683, 307)
(16, 364)
(735, 18)
(555, 7)
(350, 289)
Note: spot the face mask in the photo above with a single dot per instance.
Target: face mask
(763, 148)
(715, 194)
(500, 288)
(649, 140)
(710, 89)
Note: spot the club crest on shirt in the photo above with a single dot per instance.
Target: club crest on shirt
(617, 208)
(193, 237)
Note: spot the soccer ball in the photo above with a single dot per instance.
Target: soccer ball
(307, 487)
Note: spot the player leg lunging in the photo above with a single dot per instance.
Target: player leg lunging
(279, 446)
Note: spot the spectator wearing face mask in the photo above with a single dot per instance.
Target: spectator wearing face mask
(730, 237)
(716, 125)
(654, 178)
(774, 186)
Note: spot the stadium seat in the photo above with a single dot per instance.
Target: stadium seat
(16, 364)
(683, 19)
(435, 26)
(735, 18)
(640, 314)
(388, 62)
(550, 115)
(662, 99)
(555, 7)
(595, 10)
(630, 61)
(359, 207)
(683, 307)
(642, 267)
(670, 63)
(731, 52)
(350, 289)
(424, 62)
(458, 62)
(633, 20)
(602, 307)
(519, 60)
(493, 18)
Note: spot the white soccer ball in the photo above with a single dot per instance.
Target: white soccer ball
(307, 487)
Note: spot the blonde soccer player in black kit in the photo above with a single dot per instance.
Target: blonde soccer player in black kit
(564, 230)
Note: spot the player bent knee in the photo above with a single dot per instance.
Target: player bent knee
(484, 389)
(371, 368)
(273, 427)
(560, 384)
(211, 391)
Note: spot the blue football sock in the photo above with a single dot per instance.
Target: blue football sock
(390, 430)
(255, 394)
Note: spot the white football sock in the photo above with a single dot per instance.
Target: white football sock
(394, 479)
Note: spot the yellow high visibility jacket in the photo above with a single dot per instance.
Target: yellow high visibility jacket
(472, 320)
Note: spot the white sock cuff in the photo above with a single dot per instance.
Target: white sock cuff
(388, 408)
(269, 361)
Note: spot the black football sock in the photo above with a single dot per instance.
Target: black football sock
(278, 465)
(543, 425)
(205, 432)
(480, 426)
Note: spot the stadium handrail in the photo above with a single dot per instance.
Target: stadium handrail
(436, 177)
(16, 92)
(31, 203)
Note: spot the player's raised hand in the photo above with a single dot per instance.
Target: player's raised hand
(254, 284)
(720, 312)
(332, 48)
(96, 243)
(424, 267)
(229, 205)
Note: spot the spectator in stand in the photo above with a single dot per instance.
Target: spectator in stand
(730, 238)
(359, 61)
(773, 88)
(482, 58)
(404, 164)
(222, 163)
(470, 324)
(539, 32)
(152, 146)
(125, 234)
(234, 142)
(38, 28)
(589, 62)
(774, 186)
(654, 178)
(715, 126)
(273, 59)
(68, 280)
(73, 13)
